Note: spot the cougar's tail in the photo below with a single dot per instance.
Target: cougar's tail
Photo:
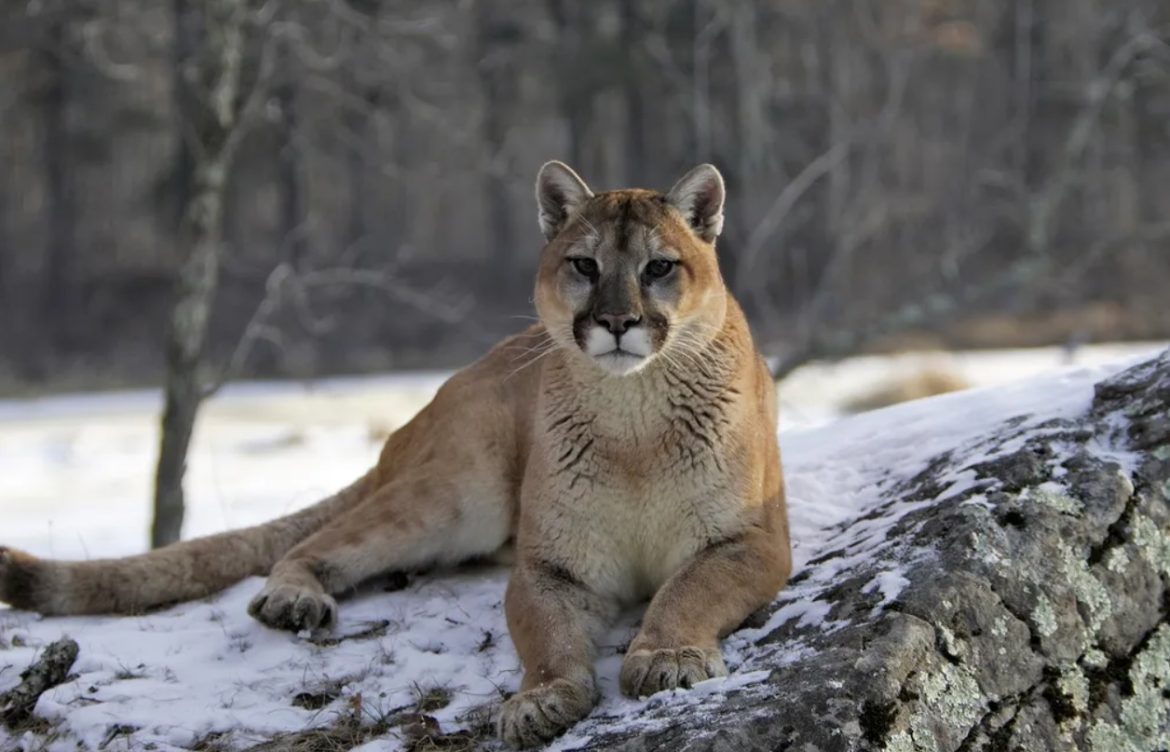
(178, 572)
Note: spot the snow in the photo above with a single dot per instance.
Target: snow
(74, 479)
(889, 583)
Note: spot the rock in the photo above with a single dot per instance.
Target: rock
(50, 669)
(1029, 610)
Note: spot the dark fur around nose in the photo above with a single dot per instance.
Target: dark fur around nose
(616, 306)
(617, 323)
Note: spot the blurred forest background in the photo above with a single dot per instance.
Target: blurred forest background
(900, 172)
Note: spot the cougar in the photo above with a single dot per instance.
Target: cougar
(626, 445)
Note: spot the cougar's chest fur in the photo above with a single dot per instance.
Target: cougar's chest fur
(638, 475)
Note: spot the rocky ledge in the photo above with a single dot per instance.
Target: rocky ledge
(1018, 601)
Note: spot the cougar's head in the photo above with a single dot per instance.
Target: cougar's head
(629, 275)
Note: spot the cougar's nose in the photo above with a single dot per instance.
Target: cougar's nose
(617, 323)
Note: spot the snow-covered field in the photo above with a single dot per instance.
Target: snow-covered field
(75, 483)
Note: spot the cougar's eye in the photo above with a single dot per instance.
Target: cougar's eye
(586, 267)
(658, 268)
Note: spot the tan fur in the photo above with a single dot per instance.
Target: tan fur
(928, 381)
(663, 482)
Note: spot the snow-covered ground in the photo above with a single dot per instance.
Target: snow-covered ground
(75, 480)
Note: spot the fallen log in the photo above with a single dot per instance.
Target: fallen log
(49, 670)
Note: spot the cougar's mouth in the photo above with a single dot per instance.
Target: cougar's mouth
(620, 355)
(616, 353)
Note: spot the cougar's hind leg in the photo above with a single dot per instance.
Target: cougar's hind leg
(413, 521)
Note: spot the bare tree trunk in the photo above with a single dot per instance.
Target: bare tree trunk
(359, 127)
(498, 78)
(701, 74)
(208, 87)
(575, 92)
(360, 124)
(293, 204)
(186, 341)
(58, 294)
(635, 95)
(1045, 206)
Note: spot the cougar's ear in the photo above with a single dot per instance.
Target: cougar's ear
(559, 193)
(699, 197)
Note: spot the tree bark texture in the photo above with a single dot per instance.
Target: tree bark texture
(208, 82)
(49, 670)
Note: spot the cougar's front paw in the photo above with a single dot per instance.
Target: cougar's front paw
(645, 672)
(293, 608)
(536, 715)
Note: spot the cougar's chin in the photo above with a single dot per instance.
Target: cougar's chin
(620, 362)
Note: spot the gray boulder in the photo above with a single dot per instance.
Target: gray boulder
(1031, 609)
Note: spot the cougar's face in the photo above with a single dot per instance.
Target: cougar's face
(626, 280)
